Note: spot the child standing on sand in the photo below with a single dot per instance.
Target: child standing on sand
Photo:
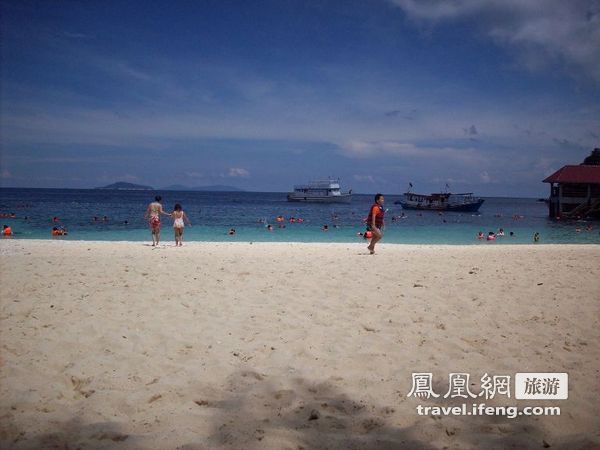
(179, 217)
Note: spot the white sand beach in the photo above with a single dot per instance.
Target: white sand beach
(236, 345)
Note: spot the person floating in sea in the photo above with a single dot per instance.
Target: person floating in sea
(325, 228)
(269, 227)
(231, 232)
(491, 236)
(500, 232)
(536, 237)
(59, 231)
(6, 231)
(480, 235)
(179, 220)
(376, 222)
(152, 215)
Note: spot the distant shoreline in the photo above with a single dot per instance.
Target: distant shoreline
(167, 243)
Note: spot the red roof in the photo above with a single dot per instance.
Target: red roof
(576, 174)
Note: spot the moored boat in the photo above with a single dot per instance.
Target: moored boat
(320, 191)
(441, 201)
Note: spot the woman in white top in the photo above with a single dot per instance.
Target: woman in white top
(179, 217)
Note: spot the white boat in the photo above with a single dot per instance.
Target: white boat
(320, 191)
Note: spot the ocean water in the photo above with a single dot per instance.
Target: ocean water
(214, 213)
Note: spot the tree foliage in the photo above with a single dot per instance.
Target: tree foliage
(593, 159)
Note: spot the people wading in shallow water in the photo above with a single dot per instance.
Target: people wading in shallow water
(152, 215)
(179, 217)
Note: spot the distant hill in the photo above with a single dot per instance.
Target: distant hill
(214, 187)
(122, 186)
(176, 187)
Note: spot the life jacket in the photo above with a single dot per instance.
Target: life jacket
(378, 217)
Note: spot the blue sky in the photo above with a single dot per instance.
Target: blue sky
(487, 96)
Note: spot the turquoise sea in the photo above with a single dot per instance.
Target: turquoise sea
(214, 213)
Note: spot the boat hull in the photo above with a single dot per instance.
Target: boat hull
(344, 198)
(466, 207)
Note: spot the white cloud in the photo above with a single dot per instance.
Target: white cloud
(485, 177)
(368, 178)
(238, 172)
(127, 177)
(364, 149)
(542, 30)
(451, 181)
(444, 155)
(545, 166)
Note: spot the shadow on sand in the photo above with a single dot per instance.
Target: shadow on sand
(253, 412)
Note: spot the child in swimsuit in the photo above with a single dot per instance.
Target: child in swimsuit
(179, 217)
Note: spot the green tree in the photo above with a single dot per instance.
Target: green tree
(593, 159)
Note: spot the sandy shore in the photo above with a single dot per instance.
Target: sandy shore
(235, 345)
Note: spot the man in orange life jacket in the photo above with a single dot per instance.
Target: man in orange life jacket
(375, 222)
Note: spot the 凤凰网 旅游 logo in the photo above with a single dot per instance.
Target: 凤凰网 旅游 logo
(541, 386)
(524, 386)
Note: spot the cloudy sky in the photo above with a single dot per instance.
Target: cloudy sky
(488, 96)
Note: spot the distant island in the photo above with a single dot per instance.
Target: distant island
(213, 188)
(122, 186)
